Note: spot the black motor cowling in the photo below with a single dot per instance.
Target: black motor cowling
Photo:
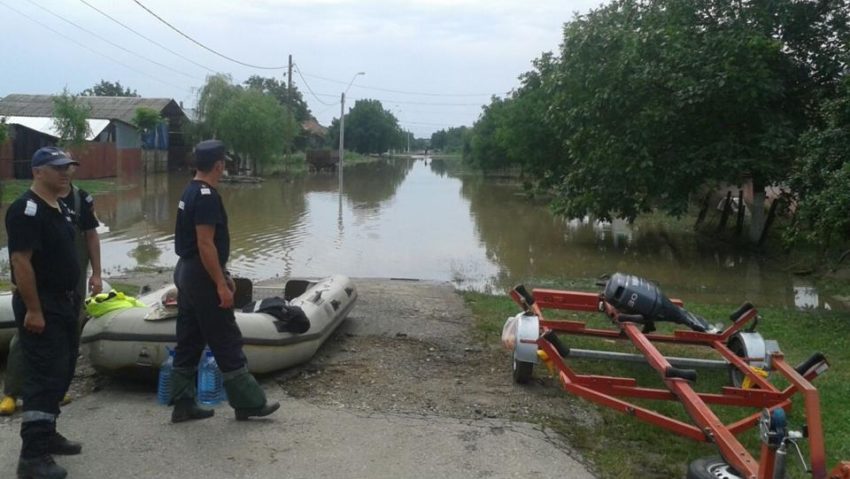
(634, 295)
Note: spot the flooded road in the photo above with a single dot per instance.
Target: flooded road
(406, 218)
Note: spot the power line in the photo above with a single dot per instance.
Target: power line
(365, 87)
(148, 38)
(204, 46)
(298, 70)
(424, 103)
(91, 49)
(423, 123)
(387, 101)
(111, 42)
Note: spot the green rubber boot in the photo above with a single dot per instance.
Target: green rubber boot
(183, 397)
(246, 396)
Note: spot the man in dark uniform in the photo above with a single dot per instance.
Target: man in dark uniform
(87, 244)
(45, 302)
(205, 297)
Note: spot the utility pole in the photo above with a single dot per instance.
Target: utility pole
(289, 101)
(289, 77)
(341, 137)
(342, 128)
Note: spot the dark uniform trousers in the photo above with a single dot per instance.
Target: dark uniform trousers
(50, 357)
(200, 321)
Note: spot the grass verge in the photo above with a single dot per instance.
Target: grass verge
(12, 189)
(623, 447)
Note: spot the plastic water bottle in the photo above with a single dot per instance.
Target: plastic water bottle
(210, 386)
(166, 370)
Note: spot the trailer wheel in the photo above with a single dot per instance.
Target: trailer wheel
(522, 371)
(736, 345)
(711, 468)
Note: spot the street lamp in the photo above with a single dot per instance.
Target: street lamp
(342, 126)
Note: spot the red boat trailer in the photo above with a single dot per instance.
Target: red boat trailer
(706, 427)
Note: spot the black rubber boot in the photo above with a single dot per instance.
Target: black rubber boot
(246, 396)
(59, 445)
(41, 467)
(35, 461)
(183, 397)
(188, 410)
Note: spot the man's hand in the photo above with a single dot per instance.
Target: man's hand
(34, 322)
(225, 296)
(95, 285)
(230, 283)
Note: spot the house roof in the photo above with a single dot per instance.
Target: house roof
(314, 127)
(45, 124)
(102, 107)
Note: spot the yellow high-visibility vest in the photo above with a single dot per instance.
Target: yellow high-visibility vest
(103, 303)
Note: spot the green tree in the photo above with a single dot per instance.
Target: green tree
(293, 101)
(69, 118)
(250, 122)
(212, 102)
(488, 141)
(253, 125)
(515, 131)
(821, 177)
(369, 128)
(4, 131)
(107, 88)
(449, 140)
(146, 119)
(656, 99)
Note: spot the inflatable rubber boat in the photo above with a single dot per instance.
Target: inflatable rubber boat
(7, 322)
(7, 319)
(139, 337)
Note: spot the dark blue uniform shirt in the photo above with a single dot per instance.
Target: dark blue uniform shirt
(200, 205)
(84, 219)
(32, 224)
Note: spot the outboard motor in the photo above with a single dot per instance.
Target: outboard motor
(635, 295)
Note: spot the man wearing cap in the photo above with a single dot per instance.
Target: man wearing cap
(45, 269)
(87, 244)
(205, 297)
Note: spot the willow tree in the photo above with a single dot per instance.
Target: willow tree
(252, 123)
(70, 117)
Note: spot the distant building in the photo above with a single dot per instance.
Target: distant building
(313, 134)
(114, 146)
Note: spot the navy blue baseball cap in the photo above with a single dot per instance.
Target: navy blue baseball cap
(51, 156)
(208, 152)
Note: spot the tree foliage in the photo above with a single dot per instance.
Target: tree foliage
(821, 178)
(69, 118)
(146, 119)
(293, 101)
(4, 131)
(107, 88)
(250, 122)
(450, 140)
(369, 128)
(648, 102)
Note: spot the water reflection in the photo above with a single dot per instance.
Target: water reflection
(417, 219)
(806, 297)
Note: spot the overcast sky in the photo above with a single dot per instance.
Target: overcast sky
(453, 54)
